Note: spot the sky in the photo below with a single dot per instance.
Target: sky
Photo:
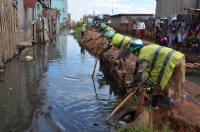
(77, 8)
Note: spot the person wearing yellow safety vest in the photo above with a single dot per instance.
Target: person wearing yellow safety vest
(164, 66)
(104, 28)
(83, 29)
(122, 42)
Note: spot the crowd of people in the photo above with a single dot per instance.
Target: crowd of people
(177, 34)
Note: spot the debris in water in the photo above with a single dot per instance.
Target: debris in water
(28, 58)
(95, 124)
(10, 88)
(122, 123)
(50, 107)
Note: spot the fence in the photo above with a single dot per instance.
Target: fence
(8, 44)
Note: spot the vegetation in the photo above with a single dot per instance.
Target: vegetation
(129, 103)
(77, 31)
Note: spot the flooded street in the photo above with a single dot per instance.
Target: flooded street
(55, 91)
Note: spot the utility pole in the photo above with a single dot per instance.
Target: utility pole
(112, 7)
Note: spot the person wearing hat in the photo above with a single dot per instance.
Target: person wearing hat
(172, 26)
(104, 28)
(121, 42)
(83, 29)
(164, 67)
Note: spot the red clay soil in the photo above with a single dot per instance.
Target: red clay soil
(183, 116)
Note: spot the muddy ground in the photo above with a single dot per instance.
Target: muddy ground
(184, 116)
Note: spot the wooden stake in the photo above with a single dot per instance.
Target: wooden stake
(97, 59)
(95, 67)
(115, 110)
(139, 107)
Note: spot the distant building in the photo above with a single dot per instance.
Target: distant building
(61, 5)
(165, 8)
(120, 22)
(91, 18)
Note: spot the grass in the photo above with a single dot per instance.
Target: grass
(77, 31)
(129, 103)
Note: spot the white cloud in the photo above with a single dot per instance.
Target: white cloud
(78, 8)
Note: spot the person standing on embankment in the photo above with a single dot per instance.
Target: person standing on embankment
(164, 66)
(83, 30)
(197, 32)
(172, 26)
(141, 28)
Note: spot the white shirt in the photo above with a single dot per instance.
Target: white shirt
(135, 26)
(141, 25)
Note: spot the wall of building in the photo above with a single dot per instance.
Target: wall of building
(59, 5)
(115, 23)
(37, 10)
(24, 26)
(65, 9)
(165, 8)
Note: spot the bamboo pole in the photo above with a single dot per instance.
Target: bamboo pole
(97, 59)
(7, 30)
(115, 110)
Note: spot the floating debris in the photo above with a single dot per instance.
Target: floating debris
(28, 58)
(122, 123)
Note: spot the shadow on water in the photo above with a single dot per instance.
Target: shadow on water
(55, 90)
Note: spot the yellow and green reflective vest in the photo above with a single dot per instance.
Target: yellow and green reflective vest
(83, 27)
(162, 61)
(120, 41)
(109, 29)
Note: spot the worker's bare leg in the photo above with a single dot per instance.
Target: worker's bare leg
(121, 63)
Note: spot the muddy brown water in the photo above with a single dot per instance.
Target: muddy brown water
(55, 90)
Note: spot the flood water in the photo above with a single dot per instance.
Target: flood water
(55, 91)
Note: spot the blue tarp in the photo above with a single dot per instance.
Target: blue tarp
(15, 3)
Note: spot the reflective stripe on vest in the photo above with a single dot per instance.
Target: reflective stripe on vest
(128, 43)
(120, 44)
(164, 66)
(154, 59)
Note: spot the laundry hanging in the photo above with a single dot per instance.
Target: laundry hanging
(15, 3)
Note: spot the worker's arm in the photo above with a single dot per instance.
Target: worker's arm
(107, 48)
(138, 76)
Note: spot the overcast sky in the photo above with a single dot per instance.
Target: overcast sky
(77, 8)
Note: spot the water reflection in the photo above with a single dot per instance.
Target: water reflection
(55, 91)
(18, 86)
